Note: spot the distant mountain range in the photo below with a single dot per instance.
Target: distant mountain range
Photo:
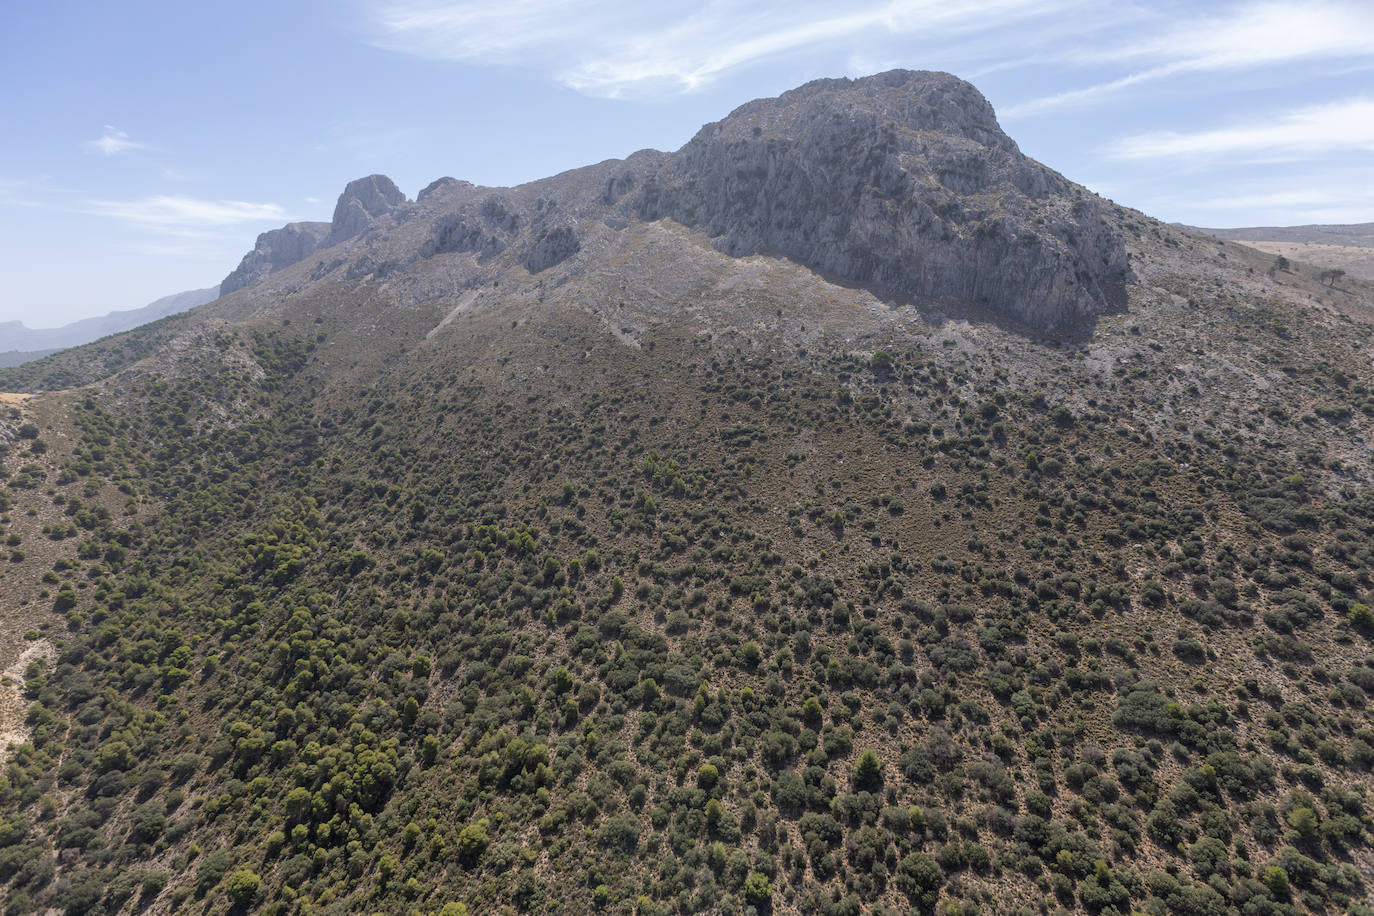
(1348, 247)
(19, 344)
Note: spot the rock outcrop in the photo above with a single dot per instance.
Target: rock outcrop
(439, 186)
(363, 202)
(553, 246)
(903, 181)
(274, 250)
(488, 231)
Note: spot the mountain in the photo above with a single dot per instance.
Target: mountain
(19, 357)
(842, 514)
(922, 193)
(1341, 247)
(22, 344)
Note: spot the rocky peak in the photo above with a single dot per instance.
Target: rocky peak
(274, 250)
(362, 202)
(917, 100)
(439, 187)
(902, 181)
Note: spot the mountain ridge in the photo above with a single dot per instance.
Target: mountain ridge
(19, 342)
(974, 211)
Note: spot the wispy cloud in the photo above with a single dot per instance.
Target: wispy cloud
(1307, 199)
(1317, 129)
(1247, 36)
(1297, 194)
(176, 215)
(610, 49)
(115, 141)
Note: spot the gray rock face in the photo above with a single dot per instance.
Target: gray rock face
(363, 201)
(552, 247)
(439, 186)
(552, 236)
(361, 204)
(488, 232)
(274, 250)
(903, 181)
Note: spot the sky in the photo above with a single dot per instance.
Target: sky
(145, 144)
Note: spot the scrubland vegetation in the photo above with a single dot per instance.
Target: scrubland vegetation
(691, 629)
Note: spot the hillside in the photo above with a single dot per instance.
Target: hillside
(843, 514)
(20, 344)
(1349, 248)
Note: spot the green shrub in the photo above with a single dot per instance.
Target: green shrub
(243, 886)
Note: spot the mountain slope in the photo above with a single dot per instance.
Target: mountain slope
(19, 357)
(518, 551)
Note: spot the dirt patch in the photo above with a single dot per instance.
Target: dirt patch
(13, 399)
(13, 729)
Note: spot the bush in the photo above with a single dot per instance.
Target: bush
(920, 878)
(214, 867)
(474, 839)
(868, 772)
(758, 890)
(1190, 651)
(620, 831)
(1276, 879)
(243, 886)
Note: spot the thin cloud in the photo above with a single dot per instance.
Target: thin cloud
(1256, 34)
(610, 49)
(1304, 194)
(1344, 197)
(1317, 129)
(115, 141)
(176, 215)
(1249, 36)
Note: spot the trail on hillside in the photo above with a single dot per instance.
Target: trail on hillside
(13, 729)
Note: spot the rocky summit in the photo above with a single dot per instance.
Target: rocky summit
(902, 181)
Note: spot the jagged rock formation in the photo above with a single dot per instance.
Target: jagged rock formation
(437, 185)
(363, 202)
(274, 250)
(552, 247)
(902, 183)
(902, 180)
(488, 232)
